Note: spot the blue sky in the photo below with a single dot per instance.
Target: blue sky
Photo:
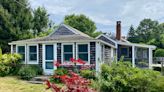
(105, 13)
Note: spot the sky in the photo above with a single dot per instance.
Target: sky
(105, 13)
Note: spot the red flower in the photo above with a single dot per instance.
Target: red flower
(48, 84)
(81, 61)
(57, 64)
(73, 60)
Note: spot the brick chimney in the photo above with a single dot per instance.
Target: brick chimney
(118, 30)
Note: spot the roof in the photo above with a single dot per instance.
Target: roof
(112, 39)
(62, 33)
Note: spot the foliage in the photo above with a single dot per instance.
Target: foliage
(9, 63)
(27, 72)
(159, 53)
(61, 71)
(37, 68)
(18, 21)
(122, 77)
(73, 83)
(82, 23)
(146, 30)
(158, 85)
(89, 74)
(40, 20)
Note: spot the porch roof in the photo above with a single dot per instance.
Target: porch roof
(137, 45)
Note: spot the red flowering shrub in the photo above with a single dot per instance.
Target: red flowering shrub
(73, 83)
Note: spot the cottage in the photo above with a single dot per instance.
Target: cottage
(67, 42)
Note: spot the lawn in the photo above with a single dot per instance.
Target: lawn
(12, 84)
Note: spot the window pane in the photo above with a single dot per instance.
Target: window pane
(67, 48)
(49, 65)
(21, 49)
(83, 57)
(49, 52)
(33, 49)
(83, 48)
(33, 57)
(67, 57)
(124, 51)
(23, 57)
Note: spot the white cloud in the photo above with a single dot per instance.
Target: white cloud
(106, 12)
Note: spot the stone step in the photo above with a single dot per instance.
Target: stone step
(39, 79)
(36, 82)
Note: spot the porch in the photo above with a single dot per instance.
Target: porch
(138, 55)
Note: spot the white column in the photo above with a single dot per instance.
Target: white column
(98, 55)
(133, 56)
(150, 58)
(43, 58)
(11, 49)
(55, 54)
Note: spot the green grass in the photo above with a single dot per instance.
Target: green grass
(12, 84)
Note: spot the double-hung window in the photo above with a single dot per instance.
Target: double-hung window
(67, 52)
(21, 51)
(83, 52)
(33, 53)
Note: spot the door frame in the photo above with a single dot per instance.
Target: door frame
(49, 71)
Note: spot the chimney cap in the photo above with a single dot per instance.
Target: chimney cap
(118, 22)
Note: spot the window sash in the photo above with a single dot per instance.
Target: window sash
(22, 53)
(33, 53)
(67, 53)
(82, 52)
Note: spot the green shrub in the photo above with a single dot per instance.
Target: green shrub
(61, 71)
(159, 53)
(122, 77)
(9, 63)
(37, 68)
(27, 72)
(4, 70)
(89, 74)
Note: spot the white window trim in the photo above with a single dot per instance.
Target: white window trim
(37, 60)
(88, 62)
(62, 51)
(24, 62)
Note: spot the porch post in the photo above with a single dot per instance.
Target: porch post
(150, 58)
(133, 56)
(11, 49)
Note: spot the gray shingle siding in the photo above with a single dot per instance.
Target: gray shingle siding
(59, 52)
(14, 48)
(62, 31)
(106, 40)
(40, 54)
(92, 53)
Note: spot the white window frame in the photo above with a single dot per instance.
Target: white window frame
(88, 62)
(28, 59)
(62, 51)
(24, 62)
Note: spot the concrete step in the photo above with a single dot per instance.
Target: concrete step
(39, 79)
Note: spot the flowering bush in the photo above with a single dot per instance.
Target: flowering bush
(73, 83)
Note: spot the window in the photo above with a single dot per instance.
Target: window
(33, 53)
(83, 51)
(49, 65)
(125, 52)
(67, 52)
(21, 51)
(49, 52)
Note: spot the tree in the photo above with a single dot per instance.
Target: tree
(82, 23)
(40, 20)
(131, 34)
(16, 21)
(145, 31)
